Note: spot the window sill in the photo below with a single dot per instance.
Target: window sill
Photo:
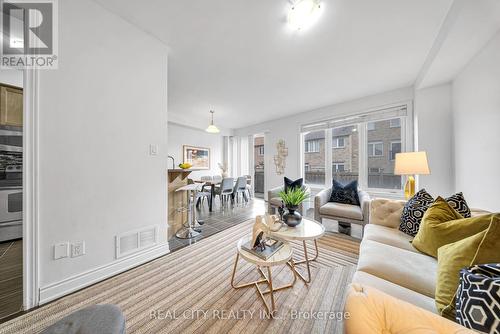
(386, 194)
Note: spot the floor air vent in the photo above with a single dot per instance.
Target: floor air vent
(133, 241)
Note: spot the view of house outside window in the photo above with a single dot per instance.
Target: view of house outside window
(345, 153)
(258, 158)
(314, 159)
(383, 141)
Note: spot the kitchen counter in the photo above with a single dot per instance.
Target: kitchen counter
(177, 201)
(183, 170)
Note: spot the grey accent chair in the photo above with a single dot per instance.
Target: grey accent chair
(345, 213)
(274, 200)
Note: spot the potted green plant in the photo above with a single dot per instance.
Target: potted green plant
(292, 198)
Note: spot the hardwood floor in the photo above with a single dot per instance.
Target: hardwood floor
(161, 296)
(226, 216)
(11, 277)
(221, 218)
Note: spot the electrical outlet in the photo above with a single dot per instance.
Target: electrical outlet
(78, 248)
(61, 250)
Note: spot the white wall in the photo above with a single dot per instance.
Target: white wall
(434, 125)
(179, 135)
(11, 77)
(476, 108)
(289, 129)
(98, 114)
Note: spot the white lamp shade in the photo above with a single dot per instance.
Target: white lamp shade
(411, 163)
(212, 129)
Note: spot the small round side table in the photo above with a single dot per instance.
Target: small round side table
(281, 257)
(306, 230)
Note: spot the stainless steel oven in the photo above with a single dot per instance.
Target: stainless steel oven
(11, 188)
(11, 213)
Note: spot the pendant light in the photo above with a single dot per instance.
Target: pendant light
(212, 128)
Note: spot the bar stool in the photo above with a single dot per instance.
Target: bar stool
(189, 230)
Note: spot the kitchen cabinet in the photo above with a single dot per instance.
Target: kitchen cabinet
(177, 200)
(11, 106)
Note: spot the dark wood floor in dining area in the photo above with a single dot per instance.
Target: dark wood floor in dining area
(11, 277)
(221, 218)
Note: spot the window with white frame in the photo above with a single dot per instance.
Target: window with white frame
(338, 142)
(260, 150)
(376, 149)
(338, 167)
(395, 148)
(382, 145)
(395, 123)
(312, 146)
(314, 157)
(369, 144)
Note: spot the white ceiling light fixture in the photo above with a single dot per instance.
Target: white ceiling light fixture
(212, 128)
(304, 13)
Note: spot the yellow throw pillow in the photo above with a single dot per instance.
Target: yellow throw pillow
(443, 225)
(481, 248)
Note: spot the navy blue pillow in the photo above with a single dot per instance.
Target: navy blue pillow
(290, 184)
(345, 194)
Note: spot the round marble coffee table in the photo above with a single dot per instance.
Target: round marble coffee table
(306, 230)
(282, 257)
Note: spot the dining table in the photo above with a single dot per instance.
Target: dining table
(212, 185)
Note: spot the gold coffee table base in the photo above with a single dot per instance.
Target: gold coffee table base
(306, 260)
(266, 279)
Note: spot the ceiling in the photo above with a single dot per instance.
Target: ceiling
(471, 27)
(239, 58)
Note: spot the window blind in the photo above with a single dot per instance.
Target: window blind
(369, 116)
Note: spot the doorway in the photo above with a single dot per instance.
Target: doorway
(259, 164)
(11, 192)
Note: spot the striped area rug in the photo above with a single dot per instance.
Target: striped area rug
(189, 291)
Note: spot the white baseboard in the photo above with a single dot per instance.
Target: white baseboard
(82, 280)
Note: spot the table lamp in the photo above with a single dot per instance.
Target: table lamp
(411, 163)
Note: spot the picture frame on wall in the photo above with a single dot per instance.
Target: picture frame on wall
(198, 157)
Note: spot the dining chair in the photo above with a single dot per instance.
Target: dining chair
(249, 185)
(217, 178)
(200, 196)
(241, 188)
(225, 189)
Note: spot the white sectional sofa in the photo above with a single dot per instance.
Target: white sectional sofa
(389, 263)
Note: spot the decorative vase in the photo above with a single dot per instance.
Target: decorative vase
(225, 174)
(292, 218)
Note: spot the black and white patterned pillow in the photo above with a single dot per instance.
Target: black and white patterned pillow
(413, 212)
(458, 203)
(478, 298)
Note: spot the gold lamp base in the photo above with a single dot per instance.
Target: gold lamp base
(410, 187)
